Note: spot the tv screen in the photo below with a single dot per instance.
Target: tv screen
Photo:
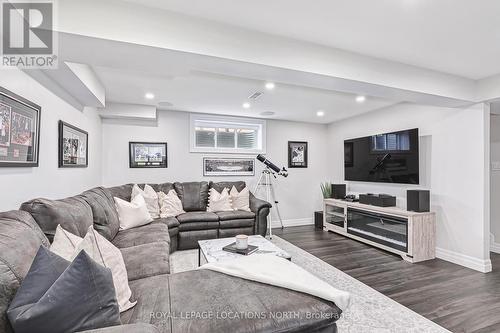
(383, 158)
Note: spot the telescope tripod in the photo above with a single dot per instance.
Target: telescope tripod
(265, 179)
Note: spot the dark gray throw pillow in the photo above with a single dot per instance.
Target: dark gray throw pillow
(61, 296)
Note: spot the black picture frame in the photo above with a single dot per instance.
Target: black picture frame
(19, 131)
(71, 154)
(297, 154)
(214, 166)
(147, 161)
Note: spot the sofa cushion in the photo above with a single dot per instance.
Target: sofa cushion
(74, 214)
(235, 215)
(106, 220)
(194, 195)
(16, 259)
(197, 217)
(171, 222)
(146, 260)
(59, 296)
(205, 295)
(146, 234)
(123, 192)
(163, 187)
(240, 185)
(239, 223)
(153, 303)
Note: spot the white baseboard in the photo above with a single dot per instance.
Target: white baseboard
(480, 265)
(495, 247)
(292, 222)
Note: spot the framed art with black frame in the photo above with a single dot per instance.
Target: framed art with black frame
(148, 154)
(225, 166)
(73, 146)
(19, 130)
(297, 154)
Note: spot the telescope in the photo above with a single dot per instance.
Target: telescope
(270, 165)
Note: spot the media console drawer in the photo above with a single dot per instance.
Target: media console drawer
(408, 234)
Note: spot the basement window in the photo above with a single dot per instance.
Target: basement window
(220, 134)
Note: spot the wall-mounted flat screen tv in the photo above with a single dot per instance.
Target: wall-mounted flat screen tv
(383, 158)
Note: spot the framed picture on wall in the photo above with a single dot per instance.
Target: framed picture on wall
(19, 130)
(213, 166)
(297, 154)
(73, 146)
(148, 154)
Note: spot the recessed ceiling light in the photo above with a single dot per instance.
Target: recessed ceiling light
(360, 99)
(149, 95)
(270, 85)
(246, 105)
(267, 113)
(320, 113)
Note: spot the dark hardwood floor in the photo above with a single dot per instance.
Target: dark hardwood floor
(455, 297)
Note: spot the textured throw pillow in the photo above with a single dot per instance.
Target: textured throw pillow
(219, 202)
(57, 296)
(151, 198)
(65, 243)
(132, 214)
(170, 204)
(108, 255)
(240, 200)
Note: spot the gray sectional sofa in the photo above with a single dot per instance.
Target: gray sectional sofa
(165, 302)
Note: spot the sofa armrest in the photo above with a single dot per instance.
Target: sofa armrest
(261, 209)
(131, 328)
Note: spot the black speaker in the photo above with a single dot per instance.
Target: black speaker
(338, 191)
(418, 201)
(318, 220)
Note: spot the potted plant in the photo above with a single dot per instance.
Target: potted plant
(326, 189)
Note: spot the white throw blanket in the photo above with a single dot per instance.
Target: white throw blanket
(270, 269)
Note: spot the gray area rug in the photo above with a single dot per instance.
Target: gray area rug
(370, 311)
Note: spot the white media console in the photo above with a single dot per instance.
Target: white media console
(409, 234)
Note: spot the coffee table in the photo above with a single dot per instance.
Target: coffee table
(211, 250)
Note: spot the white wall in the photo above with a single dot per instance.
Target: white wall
(454, 161)
(21, 184)
(299, 194)
(495, 182)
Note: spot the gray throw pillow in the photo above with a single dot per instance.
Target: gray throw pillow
(59, 296)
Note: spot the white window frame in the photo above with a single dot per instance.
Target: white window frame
(220, 120)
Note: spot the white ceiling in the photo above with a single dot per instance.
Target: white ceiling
(459, 37)
(219, 94)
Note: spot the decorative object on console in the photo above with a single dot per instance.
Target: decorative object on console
(219, 202)
(59, 296)
(338, 191)
(326, 190)
(380, 200)
(228, 166)
(73, 146)
(148, 154)
(418, 200)
(132, 214)
(151, 198)
(19, 131)
(351, 198)
(297, 154)
(240, 200)
(170, 204)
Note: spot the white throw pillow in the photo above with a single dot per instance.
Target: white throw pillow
(108, 255)
(170, 204)
(151, 198)
(240, 200)
(132, 214)
(65, 243)
(219, 202)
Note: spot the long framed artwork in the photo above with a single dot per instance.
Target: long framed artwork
(297, 154)
(215, 166)
(73, 146)
(148, 154)
(19, 130)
